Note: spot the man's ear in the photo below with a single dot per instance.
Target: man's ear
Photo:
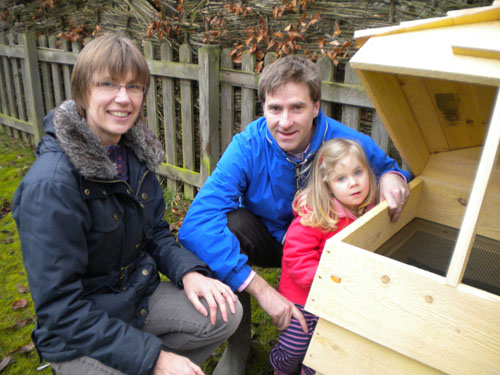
(316, 108)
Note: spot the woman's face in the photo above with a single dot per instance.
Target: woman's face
(111, 109)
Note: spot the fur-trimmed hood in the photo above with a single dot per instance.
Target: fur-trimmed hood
(85, 152)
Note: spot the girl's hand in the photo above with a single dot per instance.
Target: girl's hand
(173, 364)
(394, 189)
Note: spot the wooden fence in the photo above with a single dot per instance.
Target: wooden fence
(194, 108)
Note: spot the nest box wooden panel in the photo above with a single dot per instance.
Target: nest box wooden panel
(422, 295)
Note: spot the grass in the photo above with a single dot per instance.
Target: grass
(16, 305)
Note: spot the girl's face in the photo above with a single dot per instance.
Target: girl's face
(350, 182)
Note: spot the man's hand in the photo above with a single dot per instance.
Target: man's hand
(394, 189)
(173, 364)
(214, 292)
(278, 307)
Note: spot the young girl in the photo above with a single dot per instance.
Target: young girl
(341, 188)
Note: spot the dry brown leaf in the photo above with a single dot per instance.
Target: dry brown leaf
(22, 288)
(24, 349)
(20, 304)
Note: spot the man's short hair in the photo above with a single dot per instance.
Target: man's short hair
(111, 54)
(292, 68)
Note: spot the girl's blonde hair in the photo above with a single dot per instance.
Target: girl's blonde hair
(314, 203)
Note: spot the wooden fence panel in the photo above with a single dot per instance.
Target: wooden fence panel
(25, 70)
(247, 94)
(56, 75)
(187, 119)
(350, 114)
(10, 108)
(48, 97)
(327, 72)
(227, 102)
(169, 120)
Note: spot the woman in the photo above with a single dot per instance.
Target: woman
(89, 215)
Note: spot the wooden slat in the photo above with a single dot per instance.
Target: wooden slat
(456, 109)
(468, 230)
(8, 83)
(45, 68)
(247, 95)
(3, 95)
(13, 123)
(187, 120)
(379, 134)
(467, 50)
(345, 94)
(172, 69)
(208, 58)
(16, 74)
(66, 70)
(227, 103)
(419, 99)
(169, 119)
(151, 105)
(56, 75)
(327, 72)
(32, 86)
(408, 310)
(351, 114)
(334, 350)
(389, 101)
(180, 174)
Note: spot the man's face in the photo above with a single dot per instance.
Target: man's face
(290, 112)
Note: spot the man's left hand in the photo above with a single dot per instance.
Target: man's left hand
(394, 189)
(215, 293)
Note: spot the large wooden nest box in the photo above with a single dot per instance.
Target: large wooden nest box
(422, 295)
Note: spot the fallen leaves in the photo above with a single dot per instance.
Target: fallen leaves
(20, 304)
(5, 362)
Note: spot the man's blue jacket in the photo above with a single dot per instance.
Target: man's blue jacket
(255, 173)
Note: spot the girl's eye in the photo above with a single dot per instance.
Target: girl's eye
(358, 172)
(341, 179)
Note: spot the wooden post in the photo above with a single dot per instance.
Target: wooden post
(32, 86)
(227, 103)
(326, 69)
(169, 119)
(247, 95)
(379, 134)
(56, 74)
(8, 84)
(47, 87)
(187, 120)
(3, 98)
(66, 72)
(151, 117)
(208, 60)
(350, 114)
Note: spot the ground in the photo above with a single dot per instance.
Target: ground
(17, 353)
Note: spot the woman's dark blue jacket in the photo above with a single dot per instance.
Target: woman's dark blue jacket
(93, 244)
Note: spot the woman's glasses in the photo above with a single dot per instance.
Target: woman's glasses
(112, 88)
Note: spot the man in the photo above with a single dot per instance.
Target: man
(241, 214)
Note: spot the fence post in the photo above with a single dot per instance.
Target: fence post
(327, 70)
(350, 114)
(208, 60)
(32, 85)
(227, 103)
(151, 104)
(247, 95)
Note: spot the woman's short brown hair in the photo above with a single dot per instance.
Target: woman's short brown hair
(292, 68)
(111, 54)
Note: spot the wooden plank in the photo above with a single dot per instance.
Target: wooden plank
(9, 84)
(169, 119)
(457, 112)
(423, 109)
(55, 55)
(334, 350)
(379, 134)
(45, 69)
(171, 69)
(484, 97)
(10, 51)
(56, 75)
(16, 74)
(66, 70)
(351, 114)
(187, 120)
(408, 310)
(14, 123)
(375, 227)
(247, 95)
(489, 53)
(326, 69)
(3, 96)
(468, 230)
(227, 103)
(428, 53)
(32, 86)
(239, 78)
(345, 94)
(180, 174)
(151, 105)
(208, 59)
(388, 98)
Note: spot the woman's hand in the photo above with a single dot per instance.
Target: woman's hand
(173, 364)
(215, 293)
